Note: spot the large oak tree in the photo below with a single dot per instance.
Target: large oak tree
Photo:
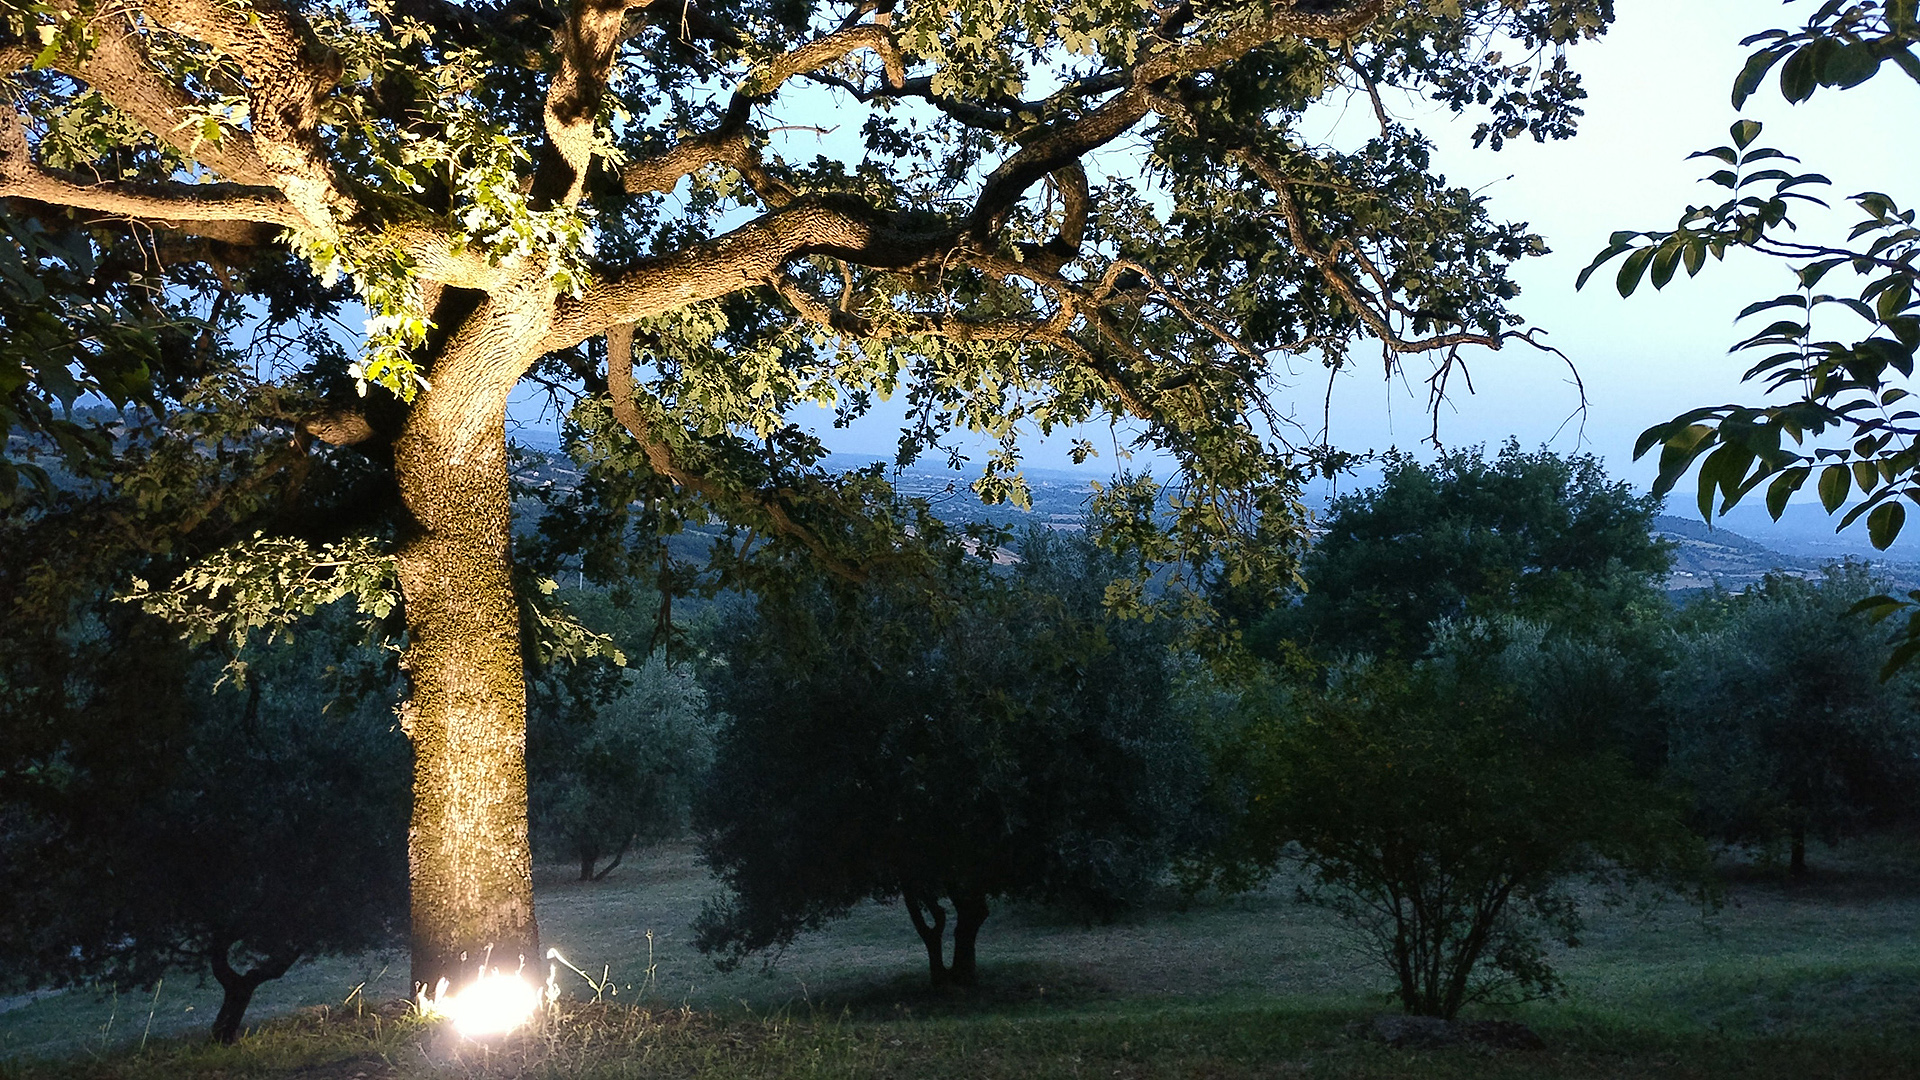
(686, 217)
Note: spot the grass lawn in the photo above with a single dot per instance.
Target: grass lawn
(1820, 979)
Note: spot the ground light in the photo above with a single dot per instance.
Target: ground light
(495, 1003)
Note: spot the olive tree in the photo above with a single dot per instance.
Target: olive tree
(1010, 741)
(1037, 214)
(607, 774)
(1441, 810)
(150, 825)
(1780, 722)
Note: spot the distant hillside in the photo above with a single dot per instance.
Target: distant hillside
(1704, 555)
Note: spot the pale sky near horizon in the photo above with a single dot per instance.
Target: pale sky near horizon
(1658, 86)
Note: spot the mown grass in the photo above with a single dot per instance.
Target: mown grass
(1820, 979)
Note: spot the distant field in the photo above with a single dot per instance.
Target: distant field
(1822, 976)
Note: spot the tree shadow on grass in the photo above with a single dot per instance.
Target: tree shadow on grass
(1803, 1001)
(1862, 870)
(1005, 988)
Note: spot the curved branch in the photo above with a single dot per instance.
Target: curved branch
(660, 458)
(822, 51)
(730, 146)
(751, 255)
(730, 143)
(1050, 149)
(587, 45)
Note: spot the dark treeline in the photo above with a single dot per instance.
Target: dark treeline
(1483, 702)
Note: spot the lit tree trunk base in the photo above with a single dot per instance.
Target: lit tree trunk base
(472, 869)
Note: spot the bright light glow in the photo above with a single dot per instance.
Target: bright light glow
(493, 1004)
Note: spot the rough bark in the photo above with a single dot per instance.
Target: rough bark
(472, 869)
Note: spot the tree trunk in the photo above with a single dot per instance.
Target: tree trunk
(588, 856)
(932, 927)
(969, 911)
(237, 988)
(601, 875)
(1797, 850)
(471, 867)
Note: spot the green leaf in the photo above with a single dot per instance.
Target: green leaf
(1883, 525)
(1632, 270)
(1616, 247)
(1877, 608)
(1725, 153)
(1744, 132)
(1834, 484)
(1865, 476)
(1753, 74)
(1665, 263)
(1783, 488)
(1894, 300)
(1797, 80)
(1793, 300)
(1850, 65)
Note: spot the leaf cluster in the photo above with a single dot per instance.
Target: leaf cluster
(1835, 360)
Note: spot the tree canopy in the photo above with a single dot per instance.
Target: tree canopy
(1026, 215)
(1010, 741)
(1531, 534)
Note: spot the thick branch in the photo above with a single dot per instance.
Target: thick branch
(586, 46)
(162, 202)
(114, 64)
(838, 226)
(289, 71)
(731, 147)
(823, 51)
